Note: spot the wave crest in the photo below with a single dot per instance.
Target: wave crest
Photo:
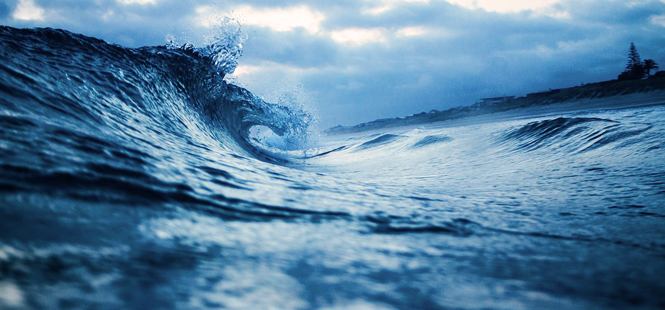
(137, 93)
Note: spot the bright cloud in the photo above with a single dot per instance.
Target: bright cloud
(358, 35)
(505, 6)
(411, 31)
(138, 1)
(419, 31)
(268, 66)
(543, 7)
(28, 10)
(388, 5)
(282, 19)
(658, 20)
(244, 70)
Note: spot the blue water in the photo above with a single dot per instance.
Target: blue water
(136, 179)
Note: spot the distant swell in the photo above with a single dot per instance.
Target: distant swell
(575, 134)
(432, 139)
(378, 141)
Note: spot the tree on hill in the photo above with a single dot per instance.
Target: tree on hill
(634, 59)
(650, 64)
(635, 67)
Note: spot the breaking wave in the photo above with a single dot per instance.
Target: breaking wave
(96, 88)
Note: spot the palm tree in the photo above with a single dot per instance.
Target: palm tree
(650, 64)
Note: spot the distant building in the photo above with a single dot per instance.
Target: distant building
(543, 93)
(494, 100)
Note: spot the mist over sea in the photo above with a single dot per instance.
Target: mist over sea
(138, 178)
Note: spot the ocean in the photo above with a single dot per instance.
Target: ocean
(138, 178)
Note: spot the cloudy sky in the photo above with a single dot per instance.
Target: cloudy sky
(359, 60)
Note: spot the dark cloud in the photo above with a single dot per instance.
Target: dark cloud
(5, 10)
(618, 14)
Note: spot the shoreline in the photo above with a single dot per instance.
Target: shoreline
(621, 102)
(590, 97)
(631, 101)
